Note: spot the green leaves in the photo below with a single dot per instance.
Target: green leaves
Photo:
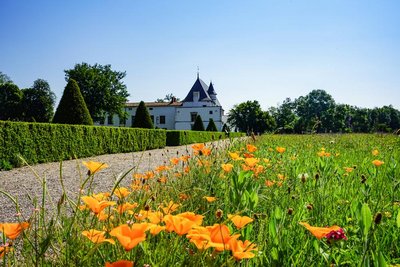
(398, 219)
(366, 218)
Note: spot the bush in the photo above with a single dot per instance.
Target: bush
(211, 127)
(45, 142)
(198, 124)
(72, 108)
(142, 117)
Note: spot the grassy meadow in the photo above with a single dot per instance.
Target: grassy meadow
(291, 200)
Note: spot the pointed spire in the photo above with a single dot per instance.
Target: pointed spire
(198, 72)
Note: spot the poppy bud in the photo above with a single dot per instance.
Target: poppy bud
(316, 176)
(310, 206)
(219, 213)
(363, 179)
(290, 211)
(288, 190)
(147, 207)
(303, 178)
(378, 218)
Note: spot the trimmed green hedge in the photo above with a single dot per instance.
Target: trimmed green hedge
(45, 142)
(182, 137)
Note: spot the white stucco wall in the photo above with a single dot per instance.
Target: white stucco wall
(183, 117)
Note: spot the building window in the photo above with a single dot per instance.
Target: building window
(132, 120)
(110, 120)
(162, 119)
(193, 116)
(210, 112)
(150, 108)
(152, 118)
(129, 108)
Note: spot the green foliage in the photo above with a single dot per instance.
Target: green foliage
(38, 102)
(43, 142)
(10, 101)
(101, 87)
(211, 127)
(142, 117)
(248, 117)
(72, 108)
(4, 78)
(198, 124)
(181, 137)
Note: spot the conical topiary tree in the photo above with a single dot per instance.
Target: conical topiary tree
(72, 108)
(198, 124)
(142, 117)
(211, 127)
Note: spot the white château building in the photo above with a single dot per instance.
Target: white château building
(201, 100)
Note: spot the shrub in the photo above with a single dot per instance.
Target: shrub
(45, 142)
(198, 124)
(178, 138)
(142, 117)
(211, 127)
(72, 108)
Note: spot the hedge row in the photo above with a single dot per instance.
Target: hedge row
(45, 142)
(181, 137)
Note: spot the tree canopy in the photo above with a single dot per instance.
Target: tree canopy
(142, 117)
(72, 108)
(10, 101)
(4, 78)
(38, 102)
(168, 98)
(249, 117)
(102, 88)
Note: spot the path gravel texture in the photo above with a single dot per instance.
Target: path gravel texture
(25, 183)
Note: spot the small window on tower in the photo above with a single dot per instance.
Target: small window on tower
(210, 112)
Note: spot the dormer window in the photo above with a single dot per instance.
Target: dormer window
(196, 96)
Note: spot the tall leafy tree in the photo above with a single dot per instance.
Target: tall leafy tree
(4, 78)
(72, 108)
(101, 87)
(249, 117)
(10, 101)
(285, 116)
(198, 124)
(316, 110)
(211, 127)
(38, 102)
(142, 117)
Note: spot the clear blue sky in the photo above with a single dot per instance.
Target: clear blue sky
(251, 50)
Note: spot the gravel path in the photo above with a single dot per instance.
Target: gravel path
(23, 184)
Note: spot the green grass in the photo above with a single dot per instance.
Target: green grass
(344, 189)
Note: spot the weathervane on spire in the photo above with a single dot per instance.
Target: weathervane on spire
(198, 71)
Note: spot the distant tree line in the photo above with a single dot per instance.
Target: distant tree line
(317, 112)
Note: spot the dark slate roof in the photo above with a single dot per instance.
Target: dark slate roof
(211, 90)
(202, 88)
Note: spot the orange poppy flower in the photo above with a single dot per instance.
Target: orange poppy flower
(97, 236)
(183, 196)
(219, 237)
(199, 236)
(162, 168)
(120, 263)
(96, 206)
(242, 250)
(235, 156)
(101, 196)
(269, 183)
(155, 229)
(102, 216)
(375, 152)
(348, 169)
(377, 163)
(94, 166)
(198, 147)
(122, 192)
(13, 230)
(320, 232)
(227, 167)
(248, 155)
(251, 162)
(174, 161)
(280, 149)
(125, 207)
(205, 152)
(197, 219)
(251, 148)
(155, 217)
(5, 249)
(184, 158)
(210, 199)
(178, 224)
(170, 207)
(130, 236)
(239, 221)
